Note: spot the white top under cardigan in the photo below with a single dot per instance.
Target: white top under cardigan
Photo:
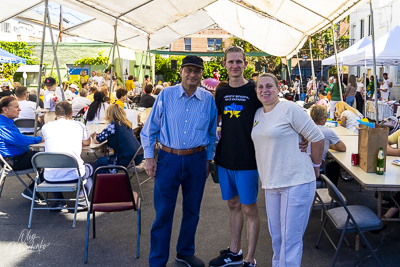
(276, 136)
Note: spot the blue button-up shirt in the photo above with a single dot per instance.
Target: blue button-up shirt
(181, 122)
(12, 141)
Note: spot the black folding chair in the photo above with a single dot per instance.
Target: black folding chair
(348, 219)
(24, 124)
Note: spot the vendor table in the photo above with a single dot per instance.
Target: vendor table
(389, 181)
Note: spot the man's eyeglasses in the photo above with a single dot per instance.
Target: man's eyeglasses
(196, 71)
(234, 47)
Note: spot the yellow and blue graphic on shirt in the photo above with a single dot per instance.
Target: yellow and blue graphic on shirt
(255, 123)
(233, 110)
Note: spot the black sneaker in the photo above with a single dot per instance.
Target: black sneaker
(226, 258)
(28, 195)
(58, 206)
(249, 264)
(190, 261)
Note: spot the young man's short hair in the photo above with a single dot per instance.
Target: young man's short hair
(20, 91)
(121, 92)
(148, 89)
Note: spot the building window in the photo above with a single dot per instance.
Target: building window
(188, 44)
(361, 28)
(369, 26)
(6, 27)
(214, 44)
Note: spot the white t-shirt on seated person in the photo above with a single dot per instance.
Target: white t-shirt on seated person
(64, 136)
(351, 120)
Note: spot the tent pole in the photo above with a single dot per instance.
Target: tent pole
(337, 65)
(109, 55)
(40, 70)
(365, 87)
(374, 61)
(312, 68)
(52, 65)
(120, 65)
(55, 53)
(148, 49)
(113, 56)
(301, 78)
(289, 72)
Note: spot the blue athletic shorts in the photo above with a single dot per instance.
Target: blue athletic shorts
(243, 183)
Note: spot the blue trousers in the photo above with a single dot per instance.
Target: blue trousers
(174, 171)
(350, 100)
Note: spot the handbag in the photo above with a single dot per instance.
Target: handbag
(112, 159)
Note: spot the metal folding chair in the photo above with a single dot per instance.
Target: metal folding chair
(7, 171)
(348, 219)
(112, 192)
(132, 167)
(55, 160)
(27, 124)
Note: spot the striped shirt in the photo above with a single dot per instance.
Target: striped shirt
(181, 122)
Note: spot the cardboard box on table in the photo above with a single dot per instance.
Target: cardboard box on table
(369, 142)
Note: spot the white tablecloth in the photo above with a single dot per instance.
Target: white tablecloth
(385, 109)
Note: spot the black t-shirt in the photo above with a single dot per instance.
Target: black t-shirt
(5, 93)
(237, 106)
(147, 101)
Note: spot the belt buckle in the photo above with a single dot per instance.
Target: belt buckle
(178, 152)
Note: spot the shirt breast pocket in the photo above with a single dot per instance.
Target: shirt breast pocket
(201, 121)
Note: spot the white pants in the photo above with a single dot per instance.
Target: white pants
(288, 211)
(332, 110)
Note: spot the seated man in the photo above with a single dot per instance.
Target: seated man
(66, 136)
(80, 102)
(14, 146)
(5, 90)
(147, 99)
(27, 108)
(121, 95)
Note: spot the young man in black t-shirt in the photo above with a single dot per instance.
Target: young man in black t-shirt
(237, 170)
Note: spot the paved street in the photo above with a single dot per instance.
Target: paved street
(56, 243)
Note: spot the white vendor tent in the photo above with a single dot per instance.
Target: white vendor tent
(354, 49)
(278, 27)
(387, 50)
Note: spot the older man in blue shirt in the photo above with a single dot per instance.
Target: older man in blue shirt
(14, 146)
(183, 119)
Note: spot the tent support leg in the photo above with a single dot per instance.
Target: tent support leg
(337, 65)
(312, 69)
(54, 52)
(301, 78)
(40, 68)
(120, 65)
(374, 61)
(113, 57)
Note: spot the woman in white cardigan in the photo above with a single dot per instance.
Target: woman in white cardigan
(287, 174)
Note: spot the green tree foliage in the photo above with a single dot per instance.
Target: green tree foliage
(163, 67)
(99, 60)
(20, 49)
(271, 63)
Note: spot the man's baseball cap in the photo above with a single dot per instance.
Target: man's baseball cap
(193, 60)
(49, 81)
(73, 86)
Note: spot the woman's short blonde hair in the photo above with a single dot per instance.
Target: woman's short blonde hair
(116, 113)
(83, 72)
(106, 76)
(361, 79)
(318, 112)
(98, 73)
(342, 106)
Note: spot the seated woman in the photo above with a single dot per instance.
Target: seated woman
(127, 142)
(96, 110)
(319, 115)
(348, 116)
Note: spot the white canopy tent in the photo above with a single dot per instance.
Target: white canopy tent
(354, 49)
(166, 21)
(387, 50)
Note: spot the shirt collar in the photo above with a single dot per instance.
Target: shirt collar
(182, 92)
(6, 120)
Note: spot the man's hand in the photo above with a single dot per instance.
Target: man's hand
(150, 166)
(303, 145)
(316, 171)
(208, 168)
